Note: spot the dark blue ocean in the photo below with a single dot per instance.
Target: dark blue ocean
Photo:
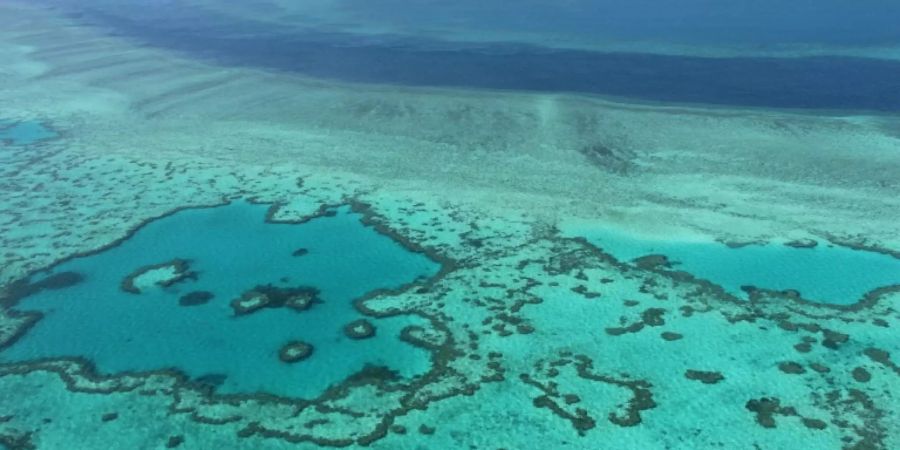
(406, 57)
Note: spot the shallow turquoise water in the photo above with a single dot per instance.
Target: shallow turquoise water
(826, 273)
(233, 250)
(24, 133)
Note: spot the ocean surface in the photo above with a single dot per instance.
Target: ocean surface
(831, 82)
(398, 224)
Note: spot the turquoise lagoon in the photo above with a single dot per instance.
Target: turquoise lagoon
(24, 133)
(825, 273)
(232, 249)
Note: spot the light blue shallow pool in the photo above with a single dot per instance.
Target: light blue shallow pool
(232, 249)
(826, 273)
(24, 133)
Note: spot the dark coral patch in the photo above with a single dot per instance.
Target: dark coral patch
(802, 243)
(803, 347)
(295, 351)
(195, 298)
(21, 289)
(524, 328)
(740, 244)
(833, 339)
(766, 408)
(703, 376)
(300, 301)
(568, 406)
(654, 317)
(618, 331)
(814, 424)
(882, 357)
(212, 380)
(608, 158)
(268, 296)
(249, 302)
(181, 268)
(877, 355)
(583, 291)
(671, 336)
(791, 367)
(59, 281)
(651, 262)
(580, 420)
(359, 329)
(861, 375)
(175, 441)
(372, 374)
(17, 441)
(421, 337)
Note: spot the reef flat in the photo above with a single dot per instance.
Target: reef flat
(522, 332)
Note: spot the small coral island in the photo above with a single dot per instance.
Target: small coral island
(359, 329)
(295, 351)
(163, 275)
(299, 299)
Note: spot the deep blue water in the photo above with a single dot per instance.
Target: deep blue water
(233, 250)
(826, 274)
(824, 82)
(755, 23)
